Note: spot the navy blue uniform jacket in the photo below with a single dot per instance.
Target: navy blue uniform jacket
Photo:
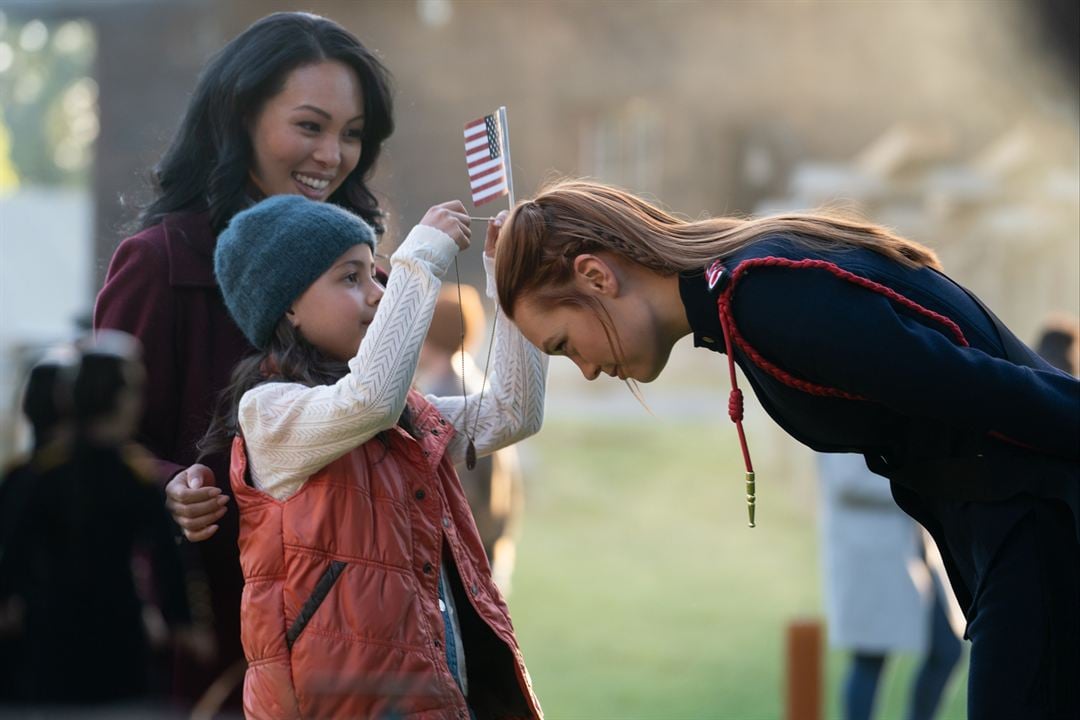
(908, 369)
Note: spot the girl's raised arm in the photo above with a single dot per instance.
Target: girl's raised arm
(292, 430)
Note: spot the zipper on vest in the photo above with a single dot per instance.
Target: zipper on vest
(322, 589)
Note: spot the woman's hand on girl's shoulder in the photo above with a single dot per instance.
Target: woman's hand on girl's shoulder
(451, 218)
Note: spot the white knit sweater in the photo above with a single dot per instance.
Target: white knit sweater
(291, 431)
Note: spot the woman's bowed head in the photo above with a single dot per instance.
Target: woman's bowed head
(591, 272)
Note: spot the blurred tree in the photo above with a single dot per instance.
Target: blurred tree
(49, 100)
(9, 177)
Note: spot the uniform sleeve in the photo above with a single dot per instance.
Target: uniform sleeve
(513, 404)
(831, 332)
(138, 299)
(291, 431)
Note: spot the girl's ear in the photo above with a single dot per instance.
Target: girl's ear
(596, 276)
(291, 314)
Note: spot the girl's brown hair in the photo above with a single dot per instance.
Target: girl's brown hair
(541, 237)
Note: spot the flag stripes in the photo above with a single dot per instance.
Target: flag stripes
(485, 160)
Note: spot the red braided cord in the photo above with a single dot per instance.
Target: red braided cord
(856, 279)
(735, 406)
(731, 332)
(726, 318)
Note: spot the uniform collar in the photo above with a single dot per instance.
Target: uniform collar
(699, 298)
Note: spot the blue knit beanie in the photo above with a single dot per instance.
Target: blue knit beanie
(273, 251)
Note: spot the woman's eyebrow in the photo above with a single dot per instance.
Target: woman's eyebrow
(323, 113)
(316, 110)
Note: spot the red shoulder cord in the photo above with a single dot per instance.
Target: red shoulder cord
(732, 339)
(735, 398)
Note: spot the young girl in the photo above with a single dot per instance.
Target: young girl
(366, 593)
(853, 341)
(293, 104)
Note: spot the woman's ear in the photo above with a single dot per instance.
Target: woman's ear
(595, 275)
(291, 314)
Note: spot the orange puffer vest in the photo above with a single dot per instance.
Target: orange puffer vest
(340, 611)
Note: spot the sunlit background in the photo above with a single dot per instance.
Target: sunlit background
(639, 590)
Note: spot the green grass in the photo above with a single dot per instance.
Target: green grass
(641, 593)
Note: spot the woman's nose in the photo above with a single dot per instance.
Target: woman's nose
(589, 370)
(328, 151)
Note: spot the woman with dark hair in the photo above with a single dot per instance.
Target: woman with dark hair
(295, 104)
(853, 340)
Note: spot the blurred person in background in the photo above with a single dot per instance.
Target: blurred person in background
(46, 404)
(882, 595)
(494, 487)
(295, 104)
(853, 340)
(70, 539)
(1059, 343)
(47, 400)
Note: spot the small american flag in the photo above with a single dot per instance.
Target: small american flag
(485, 156)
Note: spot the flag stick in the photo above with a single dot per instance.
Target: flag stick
(470, 452)
(506, 150)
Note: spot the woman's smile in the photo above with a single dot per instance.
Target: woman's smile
(313, 186)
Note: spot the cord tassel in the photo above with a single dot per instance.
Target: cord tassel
(751, 497)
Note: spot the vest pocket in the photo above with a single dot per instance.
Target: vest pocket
(322, 589)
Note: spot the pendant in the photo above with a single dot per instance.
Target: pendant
(470, 455)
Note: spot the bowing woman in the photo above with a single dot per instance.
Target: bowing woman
(853, 340)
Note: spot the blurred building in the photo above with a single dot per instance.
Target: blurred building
(1003, 219)
(713, 107)
(668, 99)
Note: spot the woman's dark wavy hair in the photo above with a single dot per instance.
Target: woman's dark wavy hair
(288, 357)
(206, 166)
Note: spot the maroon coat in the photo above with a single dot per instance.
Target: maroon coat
(160, 287)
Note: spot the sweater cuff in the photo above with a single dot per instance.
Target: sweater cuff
(489, 273)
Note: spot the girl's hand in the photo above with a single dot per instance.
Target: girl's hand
(195, 502)
(493, 229)
(451, 218)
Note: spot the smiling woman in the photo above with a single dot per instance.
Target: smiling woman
(308, 138)
(294, 105)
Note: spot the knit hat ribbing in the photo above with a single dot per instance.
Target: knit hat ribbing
(273, 251)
